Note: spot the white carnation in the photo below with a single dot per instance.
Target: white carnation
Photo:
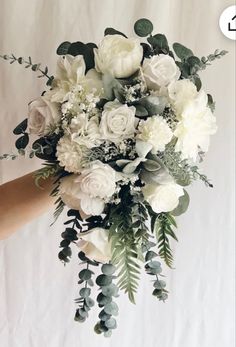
(95, 245)
(156, 132)
(196, 125)
(159, 71)
(163, 197)
(70, 155)
(181, 93)
(118, 56)
(117, 122)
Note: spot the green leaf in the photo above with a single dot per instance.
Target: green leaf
(183, 205)
(103, 280)
(150, 255)
(63, 48)
(85, 274)
(112, 31)
(111, 308)
(22, 142)
(21, 127)
(141, 111)
(159, 43)
(143, 27)
(111, 323)
(182, 52)
(80, 48)
(108, 269)
(153, 104)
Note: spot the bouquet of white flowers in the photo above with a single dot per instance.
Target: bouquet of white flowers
(122, 128)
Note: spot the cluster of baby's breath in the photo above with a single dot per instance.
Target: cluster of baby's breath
(135, 91)
(80, 101)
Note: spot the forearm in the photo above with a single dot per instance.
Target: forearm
(21, 201)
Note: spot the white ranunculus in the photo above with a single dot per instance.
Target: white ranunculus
(43, 115)
(159, 71)
(70, 68)
(119, 56)
(85, 131)
(181, 93)
(156, 132)
(163, 197)
(95, 245)
(117, 122)
(70, 154)
(196, 125)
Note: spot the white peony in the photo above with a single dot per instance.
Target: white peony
(95, 245)
(71, 72)
(117, 122)
(118, 56)
(70, 68)
(70, 155)
(163, 197)
(69, 190)
(181, 93)
(43, 115)
(196, 125)
(156, 132)
(159, 71)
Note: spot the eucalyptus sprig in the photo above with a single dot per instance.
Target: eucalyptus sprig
(29, 64)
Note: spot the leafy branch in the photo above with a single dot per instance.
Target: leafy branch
(164, 229)
(211, 57)
(29, 64)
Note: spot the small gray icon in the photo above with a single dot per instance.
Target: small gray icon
(232, 24)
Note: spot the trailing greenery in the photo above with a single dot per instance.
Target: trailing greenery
(85, 301)
(164, 225)
(49, 170)
(29, 64)
(108, 290)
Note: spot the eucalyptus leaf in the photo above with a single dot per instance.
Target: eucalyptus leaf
(153, 104)
(182, 52)
(108, 269)
(63, 48)
(111, 323)
(22, 142)
(111, 308)
(143, 27)
(159, 42)
(112, 31)
(21, 127)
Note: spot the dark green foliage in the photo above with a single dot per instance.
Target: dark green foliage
(22, 142)
(63, 48)
(111, 31)
(182, 52)
(21, 128)
(159, 44)
(45, 147)
(143, 27)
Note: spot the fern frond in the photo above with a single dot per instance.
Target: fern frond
(164, 229)
(124, 257)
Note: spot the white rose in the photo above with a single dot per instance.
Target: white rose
(159, 71)
(70, 154)
(163, 197)
(117, 122)
(119, 56)
(70, 68)
(181, 93)
(42, 115)
(98, 181)
(156, 132)
(71, 195)
(95, 245)
(196, 125)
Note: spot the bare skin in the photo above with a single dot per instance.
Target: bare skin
(21, 201)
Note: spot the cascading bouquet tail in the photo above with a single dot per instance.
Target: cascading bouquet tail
(122, 127)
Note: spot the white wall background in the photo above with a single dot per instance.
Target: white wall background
(36, 291)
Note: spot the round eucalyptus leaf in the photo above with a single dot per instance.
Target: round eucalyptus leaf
(111, 290)
(143, 27)
(83, 313)
(103, 280)
(108, 333)
(154, 264)
(150, 255)
(90, 282)
(159, 284)
(111, 308)
(89, 302)
(103, 300)
(85, 274)
(108, 269)
(85, 292)
(111, 323)
(104, 316)
(97, 329)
